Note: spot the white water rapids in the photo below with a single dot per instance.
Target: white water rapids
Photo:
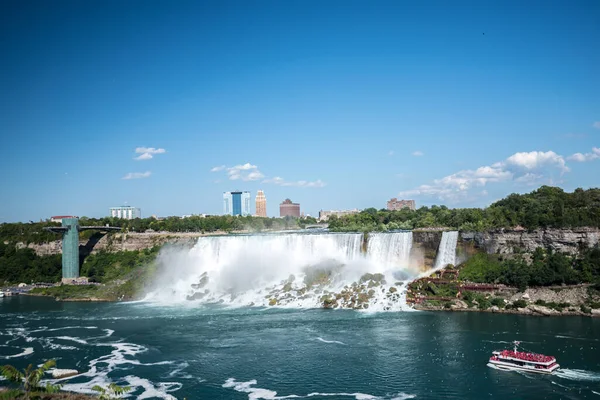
(292, 270)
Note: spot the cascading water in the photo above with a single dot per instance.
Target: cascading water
(293, 270)
(447, 251)
(390, 249)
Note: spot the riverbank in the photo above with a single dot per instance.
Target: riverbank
(444, 292)
(532, 309)
(6, 394)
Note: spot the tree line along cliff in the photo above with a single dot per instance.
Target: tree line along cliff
(546, 207)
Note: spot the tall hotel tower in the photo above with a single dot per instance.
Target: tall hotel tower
(236, 203)
(261, 204)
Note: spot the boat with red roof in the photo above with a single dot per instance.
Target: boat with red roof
(514, 360)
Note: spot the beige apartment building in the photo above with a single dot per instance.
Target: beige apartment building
(261, 204)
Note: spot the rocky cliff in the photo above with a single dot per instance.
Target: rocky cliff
(425, 246)
(117, 242)
(506, 241)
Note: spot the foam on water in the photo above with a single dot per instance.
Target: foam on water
(26, 351)
(255, 393)
(320, 339)
(121, 356)
(578, 375)
(237, 271)
(73, 339)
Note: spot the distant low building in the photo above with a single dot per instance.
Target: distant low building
(193, 215)
(324, 215)
(289, 209)
(395, 204)
(59, 218)
(125, 212)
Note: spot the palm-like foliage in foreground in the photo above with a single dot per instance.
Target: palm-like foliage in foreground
(29, 379)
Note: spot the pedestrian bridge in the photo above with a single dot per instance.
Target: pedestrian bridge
(70, 246)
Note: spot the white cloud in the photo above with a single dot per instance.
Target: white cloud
(255, 175)
(146, 153)
(530, 179)
(137, 175)
(144, 156)
(580, 157)
(150, 150)
(536, 159)
(245, 172)
(524, 168)
(418, 153)
(596, 124)
(282, 182)
(250, 172)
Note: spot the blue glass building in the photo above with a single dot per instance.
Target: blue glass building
(236, 203)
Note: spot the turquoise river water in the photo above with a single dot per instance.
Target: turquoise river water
(257, 353)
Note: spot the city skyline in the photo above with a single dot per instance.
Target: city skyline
(335, 105)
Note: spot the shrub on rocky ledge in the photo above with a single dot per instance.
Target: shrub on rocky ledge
(585, 309)
(519, 304)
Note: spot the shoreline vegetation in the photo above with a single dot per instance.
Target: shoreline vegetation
(125, 274)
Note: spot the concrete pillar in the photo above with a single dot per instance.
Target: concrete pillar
(70, 248)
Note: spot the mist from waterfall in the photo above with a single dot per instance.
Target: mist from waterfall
(297, 269)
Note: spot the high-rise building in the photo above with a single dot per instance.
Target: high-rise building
(289, 209)
(395, 204)
(261, 204)
(236, 203)
(125, 212)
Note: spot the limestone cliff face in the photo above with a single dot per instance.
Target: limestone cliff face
(117, 242)
(506, 241)
(424, 248)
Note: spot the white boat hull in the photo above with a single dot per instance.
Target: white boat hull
(525, 368)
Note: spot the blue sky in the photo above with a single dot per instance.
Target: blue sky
(334, 104)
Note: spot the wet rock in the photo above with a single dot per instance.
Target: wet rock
(494, 308)
(328, 301)
(287, 287)
(196, 296)
(203, 281)
(542, 310)
(459, 305)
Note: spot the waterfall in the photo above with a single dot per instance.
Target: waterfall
(301, 270)
(447, 251)
(390, 249)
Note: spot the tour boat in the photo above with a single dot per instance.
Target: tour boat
(514, 360)
(1, 293)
